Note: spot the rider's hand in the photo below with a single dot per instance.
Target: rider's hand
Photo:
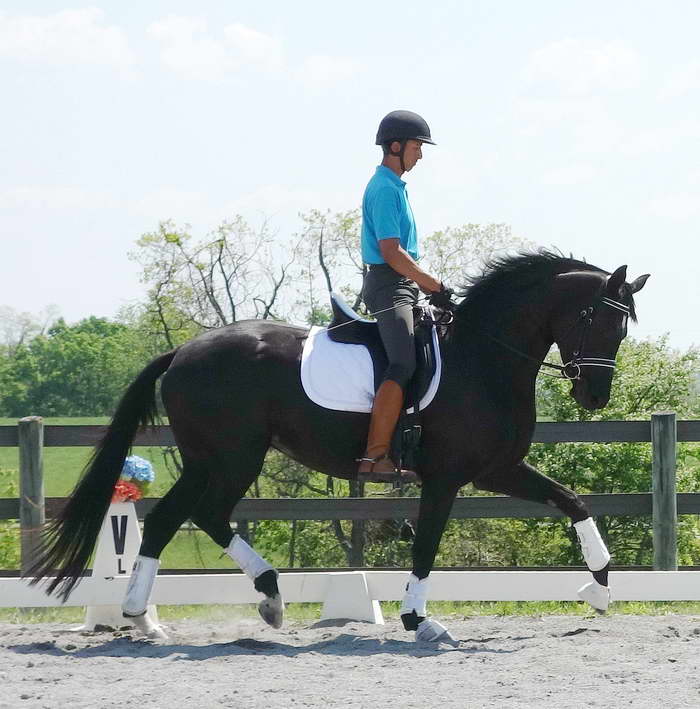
(441, 298)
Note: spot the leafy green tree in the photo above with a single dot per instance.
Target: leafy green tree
(72, 370)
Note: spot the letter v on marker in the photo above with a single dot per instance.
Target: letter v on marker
(119, 532)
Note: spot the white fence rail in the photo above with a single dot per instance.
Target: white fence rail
(380, 585)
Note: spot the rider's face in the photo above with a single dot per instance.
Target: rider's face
(412, 154)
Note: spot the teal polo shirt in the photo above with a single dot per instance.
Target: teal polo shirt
(386, 214)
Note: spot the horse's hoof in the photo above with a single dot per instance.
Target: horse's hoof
(430, 631)
(148, 627)
(271, 610)
(596, 596)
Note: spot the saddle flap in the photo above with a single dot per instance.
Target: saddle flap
(348, 327)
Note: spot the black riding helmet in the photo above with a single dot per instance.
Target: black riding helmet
(401, 126)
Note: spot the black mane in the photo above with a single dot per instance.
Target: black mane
(506, 278)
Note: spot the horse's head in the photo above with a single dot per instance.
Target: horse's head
(588, 325)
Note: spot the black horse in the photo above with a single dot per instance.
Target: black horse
(233, 392)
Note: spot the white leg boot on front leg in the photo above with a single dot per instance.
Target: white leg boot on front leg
(597, 557)
(138, 593)
(414, 614)
(271, 608)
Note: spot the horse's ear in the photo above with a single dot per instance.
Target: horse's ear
(638, 283)
(615, 280)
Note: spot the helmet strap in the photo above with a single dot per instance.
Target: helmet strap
(400, 153)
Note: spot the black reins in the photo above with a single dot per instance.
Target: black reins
(444, 317)
(572, 369)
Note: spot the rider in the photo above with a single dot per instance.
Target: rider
(392, 279)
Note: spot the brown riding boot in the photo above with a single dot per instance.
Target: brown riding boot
(376, 465)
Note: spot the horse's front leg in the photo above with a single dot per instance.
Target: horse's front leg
(526, 483)
(435, 505)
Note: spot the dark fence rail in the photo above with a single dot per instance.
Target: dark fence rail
(662, 503)
(638, 504)
(545, 432)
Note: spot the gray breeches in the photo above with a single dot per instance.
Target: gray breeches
(385, 288)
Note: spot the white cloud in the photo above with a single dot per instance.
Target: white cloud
(57, 197)
(537, 116)
(187, 53)
(251, 47)
(168, 203)
(676, 134)
(568, 175)
(273, 200)
(680, 204)
(189, 50)
(583, 66)
(677, 206)
(69, 36)
(322, 70)
(682, 80)
(585, 123)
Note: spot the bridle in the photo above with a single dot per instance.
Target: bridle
(572, 369)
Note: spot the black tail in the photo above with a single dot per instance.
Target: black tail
(69, 539)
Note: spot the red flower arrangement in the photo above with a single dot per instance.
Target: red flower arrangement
(126, 491)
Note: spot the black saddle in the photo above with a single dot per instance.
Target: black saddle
(348, 327)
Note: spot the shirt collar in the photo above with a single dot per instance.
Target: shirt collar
(390, 174)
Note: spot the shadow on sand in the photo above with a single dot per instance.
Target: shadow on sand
(342, 644)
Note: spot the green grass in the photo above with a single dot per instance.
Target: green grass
(311, 612)
(62, 468)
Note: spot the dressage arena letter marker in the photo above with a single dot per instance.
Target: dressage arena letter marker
(117, 548)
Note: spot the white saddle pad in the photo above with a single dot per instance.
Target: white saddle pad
(340, 376)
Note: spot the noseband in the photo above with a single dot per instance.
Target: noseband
(572, 369)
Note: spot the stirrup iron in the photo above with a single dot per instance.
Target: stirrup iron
(397, 476)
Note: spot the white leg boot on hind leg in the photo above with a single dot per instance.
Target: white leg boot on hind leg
(271, 608)
(138, 592)
(597, 557)
(414, 614)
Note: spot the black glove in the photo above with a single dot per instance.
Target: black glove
(442, 298)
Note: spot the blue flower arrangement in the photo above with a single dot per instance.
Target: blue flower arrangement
(139, 471)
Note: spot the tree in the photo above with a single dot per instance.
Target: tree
(76, 370)
(198, 285)
(453, 254)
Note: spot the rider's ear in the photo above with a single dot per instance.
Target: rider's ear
(615, 281)
(638, 283)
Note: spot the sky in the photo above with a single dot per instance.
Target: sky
(576, 123)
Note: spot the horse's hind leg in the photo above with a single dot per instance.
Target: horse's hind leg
(526, 483)
(235, 472)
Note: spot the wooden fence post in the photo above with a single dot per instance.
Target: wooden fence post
(32, 512)
(665, 517)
